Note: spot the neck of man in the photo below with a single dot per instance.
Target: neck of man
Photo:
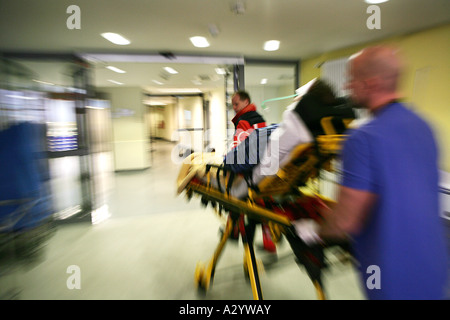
(382, 101)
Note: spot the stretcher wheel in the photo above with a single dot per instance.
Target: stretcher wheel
(275, 231)
(189, 193)
(199, 278)
(245, 265)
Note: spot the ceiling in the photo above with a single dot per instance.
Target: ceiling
(304, 27)
(153, 77)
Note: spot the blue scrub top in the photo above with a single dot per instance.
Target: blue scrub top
(395, 157)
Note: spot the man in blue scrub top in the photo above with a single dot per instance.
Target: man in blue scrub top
(388, 198)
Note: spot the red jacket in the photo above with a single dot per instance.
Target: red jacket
(245, 121)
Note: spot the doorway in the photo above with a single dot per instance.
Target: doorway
(173, 98)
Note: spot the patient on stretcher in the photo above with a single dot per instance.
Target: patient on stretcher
(268, 149)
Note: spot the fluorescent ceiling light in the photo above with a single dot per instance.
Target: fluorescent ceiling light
(116, 82)
(115, 38)
(20, 97)
(263, 81)
(43, 82)
(170, 70)
(179, 90)
(158, 82)
(199, 42)
(115, 69)
(375, 1)
(271, 45)
(95, 108)
(220, 71)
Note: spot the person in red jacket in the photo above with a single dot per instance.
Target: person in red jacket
(246, 119)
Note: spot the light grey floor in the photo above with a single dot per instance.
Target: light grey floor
(149, 248)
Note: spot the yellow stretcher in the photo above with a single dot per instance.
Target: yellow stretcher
(263, 206)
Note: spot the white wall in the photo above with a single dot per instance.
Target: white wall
(194, 105)
(170, 118)
(217, 134)
(130, 144)
(130, 133)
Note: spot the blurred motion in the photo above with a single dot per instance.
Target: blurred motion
(54, 145)
(103, 103)
(388, 196)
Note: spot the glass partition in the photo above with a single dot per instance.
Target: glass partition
(50, 91)
(270, 80)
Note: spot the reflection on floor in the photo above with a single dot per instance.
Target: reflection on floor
(149, 247)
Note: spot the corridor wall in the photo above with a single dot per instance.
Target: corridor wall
(425, 82)
(130, 134)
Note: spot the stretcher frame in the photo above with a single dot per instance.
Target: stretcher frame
(245, 214)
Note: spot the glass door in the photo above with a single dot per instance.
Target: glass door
(53, 93)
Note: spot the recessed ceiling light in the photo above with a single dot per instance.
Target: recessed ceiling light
(170, 70)
(116, 82)
(220, 71)
(157, 104)
(115, 38)
(158, 82)
(115, 69)
(263, 81)
(375, 1)
(199, 42)
(271, 45)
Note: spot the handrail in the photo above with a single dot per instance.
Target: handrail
(263, 104)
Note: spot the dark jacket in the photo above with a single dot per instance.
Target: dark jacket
(245, 122)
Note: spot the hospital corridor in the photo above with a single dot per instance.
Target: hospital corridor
(224, 150)
(148, 249)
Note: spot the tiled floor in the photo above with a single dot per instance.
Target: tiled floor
(149, 247)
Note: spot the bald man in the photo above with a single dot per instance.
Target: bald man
(388, 198)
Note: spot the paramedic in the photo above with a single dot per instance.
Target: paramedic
(388, 197)
(245, 121)
(246, 118)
